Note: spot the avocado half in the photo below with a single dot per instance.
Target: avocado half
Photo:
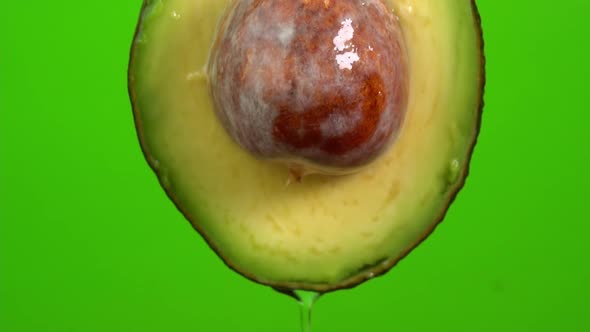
(327, 232)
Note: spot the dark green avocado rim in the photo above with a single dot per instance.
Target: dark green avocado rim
(359, 277)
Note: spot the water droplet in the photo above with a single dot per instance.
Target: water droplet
(306, 302)
(454, 170)
(198, 75)
(155, 163)
(164, 179)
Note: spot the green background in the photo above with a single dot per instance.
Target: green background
(89, 242)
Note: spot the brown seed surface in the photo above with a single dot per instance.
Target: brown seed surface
(320, 82)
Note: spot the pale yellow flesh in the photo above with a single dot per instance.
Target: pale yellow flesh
(326, 229)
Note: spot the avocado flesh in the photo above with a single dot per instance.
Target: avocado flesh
(327, 232)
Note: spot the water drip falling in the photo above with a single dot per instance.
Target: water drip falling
(306, 300)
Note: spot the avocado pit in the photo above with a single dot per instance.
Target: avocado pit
(317, 84)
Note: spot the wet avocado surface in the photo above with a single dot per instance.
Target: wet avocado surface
(326, 232)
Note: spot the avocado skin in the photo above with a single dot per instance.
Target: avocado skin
(379, 267)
